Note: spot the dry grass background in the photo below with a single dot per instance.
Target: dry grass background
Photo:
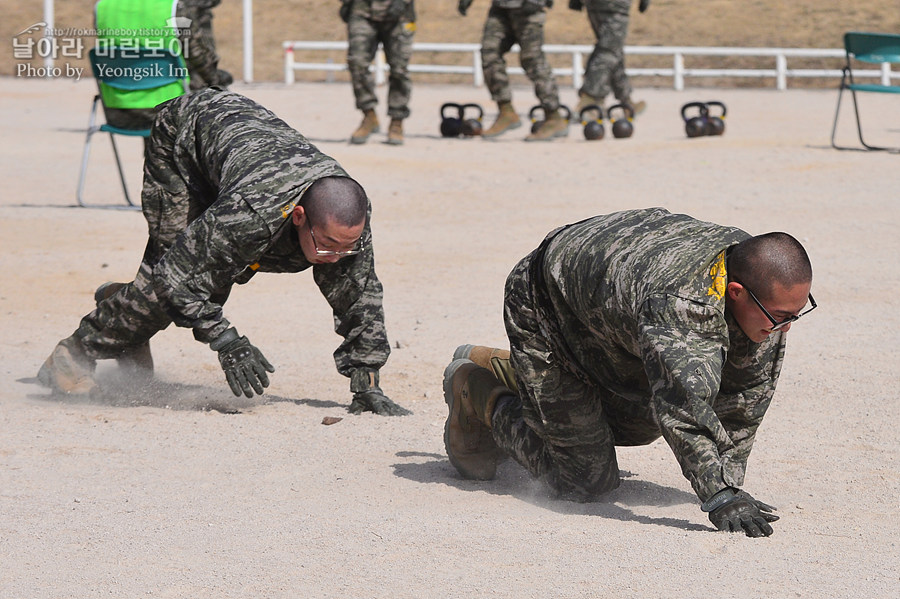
(765, 23)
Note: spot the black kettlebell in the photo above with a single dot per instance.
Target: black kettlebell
(472, 126)
(715, 124)
(451, 126)
(532, 114)
(695, 126)
(593, 129)
(623, 126)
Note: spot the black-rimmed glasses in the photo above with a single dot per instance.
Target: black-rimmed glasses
(780, 324)
(351, 252)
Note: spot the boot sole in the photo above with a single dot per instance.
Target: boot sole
(463, 352)
(499, 133)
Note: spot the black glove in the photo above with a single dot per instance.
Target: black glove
(344, 11)
(644, 5)
(244, 365)
(374, 400)
(464, 6)
(576, 4)
(737, 511)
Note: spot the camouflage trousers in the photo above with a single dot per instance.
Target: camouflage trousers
(605, 69)
(396, 37)
(525, 26)
(132, 315)
(558, 428)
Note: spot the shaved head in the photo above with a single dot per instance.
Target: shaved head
(762, 261)
(338, 199)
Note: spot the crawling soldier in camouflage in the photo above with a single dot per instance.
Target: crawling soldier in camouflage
(510, 22)
(231, 190)
(624, 328)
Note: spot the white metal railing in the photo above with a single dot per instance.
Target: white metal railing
(678, 72)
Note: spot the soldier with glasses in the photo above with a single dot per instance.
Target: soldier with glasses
(231, 190)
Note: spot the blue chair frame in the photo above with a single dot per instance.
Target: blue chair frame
(873, 48)
(128, 69)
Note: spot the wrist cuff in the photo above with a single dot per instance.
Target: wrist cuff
(724, 496)
(224, 339)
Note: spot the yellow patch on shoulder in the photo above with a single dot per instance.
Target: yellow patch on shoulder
(719, 277)
(409, 26)
(287, 209)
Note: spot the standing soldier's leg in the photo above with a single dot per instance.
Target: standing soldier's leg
(605, 69)
(528, 25)
(398, 50)
(496, 40)
(363, 42)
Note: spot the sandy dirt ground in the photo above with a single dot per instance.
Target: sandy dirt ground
(179, 489)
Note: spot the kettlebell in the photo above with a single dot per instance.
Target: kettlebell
(623, 126)
(451, 126)
(695, 126)
(471, 126)
(532, 114)
(593, 129)
(715, 124)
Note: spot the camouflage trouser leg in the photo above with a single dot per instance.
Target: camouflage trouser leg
(132, 315)
(363, 43)
(200, 48)
(529, 30)
(606, 66)
(397, 43)
(496, 40)
(503, 28)
(557, 429)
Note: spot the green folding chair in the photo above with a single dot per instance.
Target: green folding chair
(127, 69)
(872, 48)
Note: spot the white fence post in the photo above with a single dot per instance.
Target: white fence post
(288, 63)
(678, 76)
(577, 70)
(781, 72)
(380, 67)
(477, 69)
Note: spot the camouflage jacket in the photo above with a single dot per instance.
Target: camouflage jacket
(633, 302)
(253, 169)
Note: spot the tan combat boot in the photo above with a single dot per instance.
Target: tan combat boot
(636, 107)
(137, 361)
(495, 360)
(585, 100)
(507, 120)
(395, 133)
(555, 126)
(68, 369)
(471, 392)
(368, 126)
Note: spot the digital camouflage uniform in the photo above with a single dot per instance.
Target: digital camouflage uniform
(221, 178)
(200, 47)
(619, 335)
(370, 23)
(520, 22)
(605, 69)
